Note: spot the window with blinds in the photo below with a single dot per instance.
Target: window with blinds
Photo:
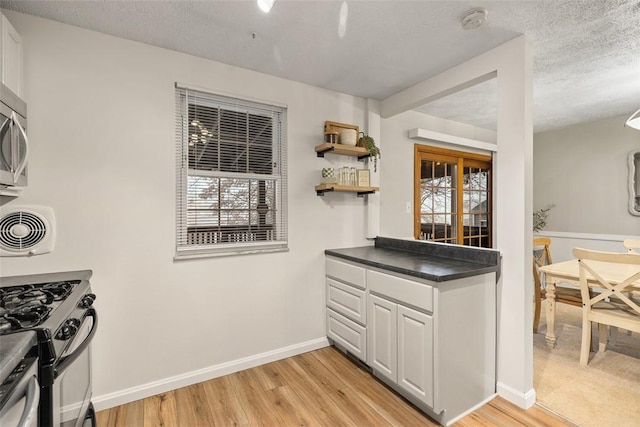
(452, 196)
(231, 175)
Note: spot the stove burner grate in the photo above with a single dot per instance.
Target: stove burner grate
(27, 316)
(26, 306)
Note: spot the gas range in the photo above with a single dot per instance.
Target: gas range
(50, 304)
(58, 307)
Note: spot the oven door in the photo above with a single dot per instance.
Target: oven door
(72, 385)
(20, 407)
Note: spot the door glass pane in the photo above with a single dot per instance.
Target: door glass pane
(475, 196)
(438, 200)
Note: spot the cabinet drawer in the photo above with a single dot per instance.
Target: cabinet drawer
(406, 291)
(346, 272)
(348, 334)
(347, 300)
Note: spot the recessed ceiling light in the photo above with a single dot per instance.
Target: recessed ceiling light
(634, 120)
(265, 5)
(473, 18)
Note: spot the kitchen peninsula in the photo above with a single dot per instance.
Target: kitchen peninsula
(421, 316)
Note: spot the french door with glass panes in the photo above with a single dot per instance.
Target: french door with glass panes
(452, 196)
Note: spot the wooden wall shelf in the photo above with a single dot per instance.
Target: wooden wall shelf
(346, 150)
(361, 191)
(361, 153)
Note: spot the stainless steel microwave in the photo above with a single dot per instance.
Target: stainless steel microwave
(14, 144)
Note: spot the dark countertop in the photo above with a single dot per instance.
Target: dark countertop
(426, 260)
(13, 347)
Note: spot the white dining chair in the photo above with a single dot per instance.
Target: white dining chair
(612, 305)
(632, 245)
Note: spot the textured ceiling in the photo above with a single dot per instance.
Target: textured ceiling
(586, 65)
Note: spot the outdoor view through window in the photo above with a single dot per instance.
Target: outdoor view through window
(237, 208)
(453, 196)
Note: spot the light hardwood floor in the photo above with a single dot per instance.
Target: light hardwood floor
(319, 388)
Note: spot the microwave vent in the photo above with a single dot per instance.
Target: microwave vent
(26, 230)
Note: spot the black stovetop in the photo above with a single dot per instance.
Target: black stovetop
(23, 307)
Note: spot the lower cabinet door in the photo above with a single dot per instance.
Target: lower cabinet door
(382, 325)
(415, 354)
(347, 333)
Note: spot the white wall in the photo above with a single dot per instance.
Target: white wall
(582, 170)
(101, 122)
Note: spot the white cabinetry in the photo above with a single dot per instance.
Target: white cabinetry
(383, 337)
(432, 342)
(11, 55)
(347, 307)
(347, 299)
(401, 338)
(415, 354)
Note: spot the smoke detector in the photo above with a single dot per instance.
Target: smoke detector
(474, 18)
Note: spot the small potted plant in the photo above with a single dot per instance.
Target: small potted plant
(540, 218)
(368, 142)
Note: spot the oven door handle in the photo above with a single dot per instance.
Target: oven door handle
(31, 405)
(68, 360)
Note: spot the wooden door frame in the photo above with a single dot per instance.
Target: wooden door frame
(462, 159)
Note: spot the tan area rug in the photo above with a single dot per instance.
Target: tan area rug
(606, 392)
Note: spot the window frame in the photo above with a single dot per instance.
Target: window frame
(462, 159)
(189, 240)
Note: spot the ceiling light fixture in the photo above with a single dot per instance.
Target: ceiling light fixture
(474, 18)
(634, 121)
(266, 5)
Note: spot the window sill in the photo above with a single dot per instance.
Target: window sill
(231, 250)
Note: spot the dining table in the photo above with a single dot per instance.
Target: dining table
(569, 271)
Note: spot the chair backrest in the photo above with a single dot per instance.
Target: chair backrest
(632, 245)
(613, 272)
(541, 256)
(542, 251)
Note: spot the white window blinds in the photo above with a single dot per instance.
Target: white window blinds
(231, 175)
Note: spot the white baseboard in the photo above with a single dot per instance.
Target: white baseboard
(167, 384)
(523, 400)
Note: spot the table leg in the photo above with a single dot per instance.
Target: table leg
(551, 314)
